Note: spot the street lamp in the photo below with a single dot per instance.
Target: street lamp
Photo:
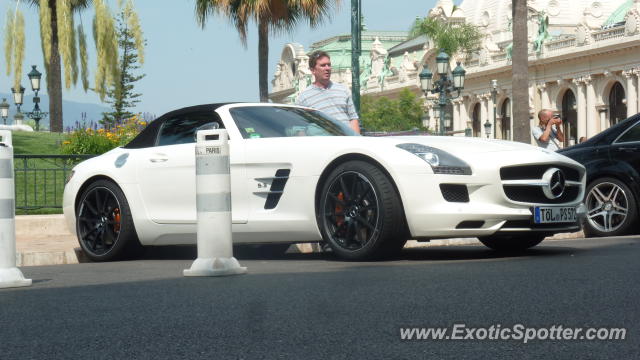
(494, 95)
(34, 77)
(18, 97)
(36, 114)
(487, 128)
(4, 110)
(444, 86)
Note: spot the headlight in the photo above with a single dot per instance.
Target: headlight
(441, 161)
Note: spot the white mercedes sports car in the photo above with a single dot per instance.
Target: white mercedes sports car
(299, 176)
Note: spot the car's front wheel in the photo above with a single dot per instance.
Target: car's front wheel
(511, 242)
(360, 214)
(611, 208)
(103, 223)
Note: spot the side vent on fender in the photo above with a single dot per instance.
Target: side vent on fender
(276, 189)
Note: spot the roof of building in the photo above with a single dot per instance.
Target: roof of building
(410, 45)
(339, 47)
(619, 14)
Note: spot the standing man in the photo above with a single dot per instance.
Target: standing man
(331, 98)
(546, 134)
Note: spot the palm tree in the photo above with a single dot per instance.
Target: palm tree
(520, 72)
(59, 47)
(452, 38)
(271, 16)
(54, 69)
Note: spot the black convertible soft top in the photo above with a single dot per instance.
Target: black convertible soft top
(147, 137)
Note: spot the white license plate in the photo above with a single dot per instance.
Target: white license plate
(554, 214)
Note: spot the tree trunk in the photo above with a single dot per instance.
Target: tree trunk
(54, 75)
(263, 60)
(520, 73)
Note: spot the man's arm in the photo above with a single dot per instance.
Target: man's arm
(355, 125)
(353, 115)
(546, 135)
(559, 132)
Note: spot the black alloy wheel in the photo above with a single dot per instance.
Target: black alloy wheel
(360, 214)
(103, 222)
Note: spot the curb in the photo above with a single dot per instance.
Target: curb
(46, 258)
(30, 227)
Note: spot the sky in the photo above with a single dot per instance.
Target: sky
(186, 65)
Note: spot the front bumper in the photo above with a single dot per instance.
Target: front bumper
(487, 211)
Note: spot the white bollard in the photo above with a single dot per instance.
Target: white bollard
(213, 203)
(10, 275)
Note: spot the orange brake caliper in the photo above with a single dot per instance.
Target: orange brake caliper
(116, 219)
(339, 209)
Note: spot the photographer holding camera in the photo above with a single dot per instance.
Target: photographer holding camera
(546, 134)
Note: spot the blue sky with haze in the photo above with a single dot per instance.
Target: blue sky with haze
(186, 65)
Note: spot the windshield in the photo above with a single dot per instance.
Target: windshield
(273, 121)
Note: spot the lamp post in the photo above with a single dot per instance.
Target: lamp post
(4, 110)
(36, 114)
(18, 97)
(356, 49)
(494, 95)
(444, 86)
(487, 128)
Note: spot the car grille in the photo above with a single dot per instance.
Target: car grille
(534, 194)
(525, 183)
(536, 172)
(455, 192)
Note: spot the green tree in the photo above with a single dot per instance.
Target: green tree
(273, 16)
(62, 44)
(520, 73)
(384, 114)
(453, 38)
(121, 95)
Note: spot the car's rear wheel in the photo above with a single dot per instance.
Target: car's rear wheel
(360, 214)
(511, 242)
(611, 208)
(104, 225)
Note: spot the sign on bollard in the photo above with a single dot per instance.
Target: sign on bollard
(10, 275)
(213, 203)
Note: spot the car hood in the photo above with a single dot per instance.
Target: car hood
(488, 152)
(466, 146)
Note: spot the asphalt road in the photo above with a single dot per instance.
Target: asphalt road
(312, 306)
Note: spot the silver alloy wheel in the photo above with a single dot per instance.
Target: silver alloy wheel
(607, 207)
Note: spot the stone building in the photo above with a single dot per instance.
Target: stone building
(584, 61)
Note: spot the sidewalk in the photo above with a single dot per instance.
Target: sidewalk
(45, 240)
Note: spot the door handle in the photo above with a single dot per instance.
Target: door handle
(159, 158)
(628, 149)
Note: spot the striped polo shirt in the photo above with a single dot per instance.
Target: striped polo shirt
(334, 101)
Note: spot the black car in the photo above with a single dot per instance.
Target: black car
(612, 160)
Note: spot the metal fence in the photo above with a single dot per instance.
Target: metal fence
(40, 179)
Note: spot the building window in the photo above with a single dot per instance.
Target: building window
(617, 104)
(505, 122)
(569, 118)
(477, 126)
